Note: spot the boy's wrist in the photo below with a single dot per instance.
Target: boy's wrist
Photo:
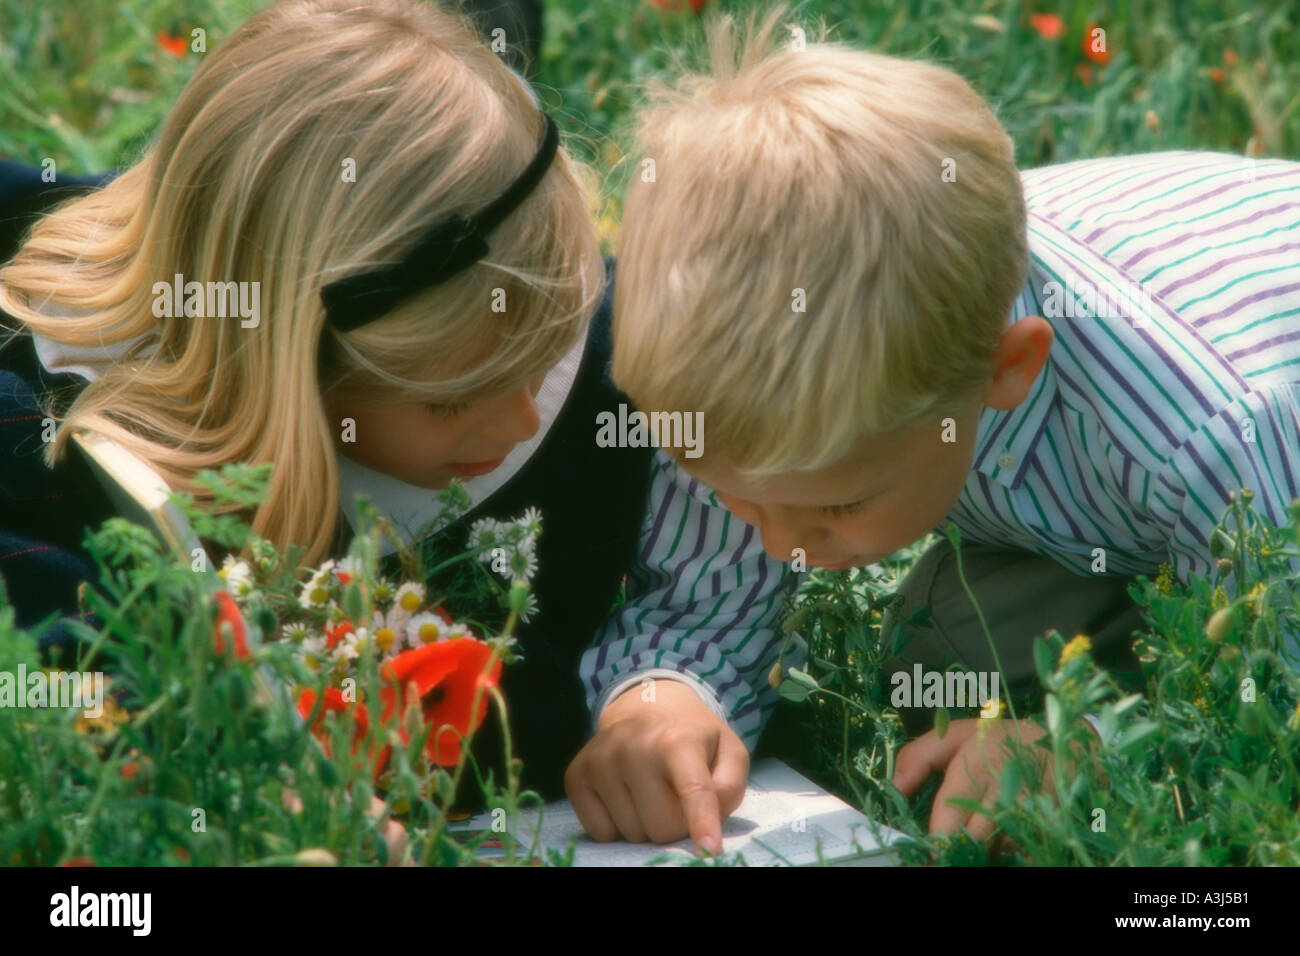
(638, 681)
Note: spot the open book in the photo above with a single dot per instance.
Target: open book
(785, 820)
(139, 493)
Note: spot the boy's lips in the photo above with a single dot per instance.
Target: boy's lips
(469, 469)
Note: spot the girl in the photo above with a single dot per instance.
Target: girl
(416, 271)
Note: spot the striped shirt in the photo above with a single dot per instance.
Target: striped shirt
(702, 605)
(1172, 284)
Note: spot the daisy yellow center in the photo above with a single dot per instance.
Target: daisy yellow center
(384, 638)
(428, 632)
(319, 595)
(410, 601)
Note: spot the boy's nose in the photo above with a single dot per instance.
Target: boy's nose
(779, 528)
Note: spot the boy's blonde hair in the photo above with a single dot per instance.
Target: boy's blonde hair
(245, 182)
(816, 172)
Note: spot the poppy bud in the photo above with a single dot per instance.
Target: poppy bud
(1221, 543)
(1225, 567)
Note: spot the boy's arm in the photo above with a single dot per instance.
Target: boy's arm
(1254, 444)
(702, 606)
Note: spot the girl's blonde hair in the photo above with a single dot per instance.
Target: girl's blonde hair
(247, 182)
(814, 175)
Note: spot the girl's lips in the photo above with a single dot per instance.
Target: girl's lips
(469, 469)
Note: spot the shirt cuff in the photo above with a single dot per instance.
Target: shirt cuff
(607, 696)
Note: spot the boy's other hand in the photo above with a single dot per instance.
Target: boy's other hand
(661, 766)
(971, 769)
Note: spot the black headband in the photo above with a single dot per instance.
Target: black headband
(452, 245)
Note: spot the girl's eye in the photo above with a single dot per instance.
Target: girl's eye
(449, 410)
(836, 511)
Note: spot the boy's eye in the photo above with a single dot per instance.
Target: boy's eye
(449, 410)
(836, 511)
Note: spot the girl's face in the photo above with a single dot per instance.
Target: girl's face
(428, 445)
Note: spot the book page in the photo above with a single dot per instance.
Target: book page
(784, 820)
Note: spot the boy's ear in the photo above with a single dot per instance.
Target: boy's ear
(1017, 362)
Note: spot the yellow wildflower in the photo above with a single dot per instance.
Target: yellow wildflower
(1219, 599)
(105, 723)
(1165, 578)
(1078, 645)
(1201, 705)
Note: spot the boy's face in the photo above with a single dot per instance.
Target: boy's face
(878, 499)
(885, 494)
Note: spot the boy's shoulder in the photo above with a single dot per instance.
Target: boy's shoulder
(1099, 176)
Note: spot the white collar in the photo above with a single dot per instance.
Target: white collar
(410, 506)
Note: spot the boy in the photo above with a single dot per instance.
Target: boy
(887, 329)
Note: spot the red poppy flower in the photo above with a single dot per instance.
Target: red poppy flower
(334, 703)
(176, 46)
(335, 634)
(182, 854)
(343, 576)
(445, 675)
(1048, 25)
(78, 861)
(228, 616)
(1216, 75)
(1230, 57)
(1094, 46)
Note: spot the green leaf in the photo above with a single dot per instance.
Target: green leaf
(793, 691)
(1136, 736)
(801, 677)
(941, 718)
(1053, 705)
(1042, 657)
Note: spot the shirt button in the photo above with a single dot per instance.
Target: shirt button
(1007, 460)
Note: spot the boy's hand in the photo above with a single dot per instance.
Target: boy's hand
(971, 767)
(659, 769)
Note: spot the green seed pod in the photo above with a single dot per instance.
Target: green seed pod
(1219, 625)
(1225, 567)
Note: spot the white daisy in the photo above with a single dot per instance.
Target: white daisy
(316, 592)
(531, 611)
(389, 630)
(484, 535)
(238, 576)
(426, 628)
(522, 564)
(315, 644)
(410, 597)
(296, 632)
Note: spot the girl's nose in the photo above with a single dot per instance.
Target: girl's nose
(513, 418)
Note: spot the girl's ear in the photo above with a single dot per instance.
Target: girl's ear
(1019, 359)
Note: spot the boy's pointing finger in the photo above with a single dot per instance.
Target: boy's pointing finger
(688, 771)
